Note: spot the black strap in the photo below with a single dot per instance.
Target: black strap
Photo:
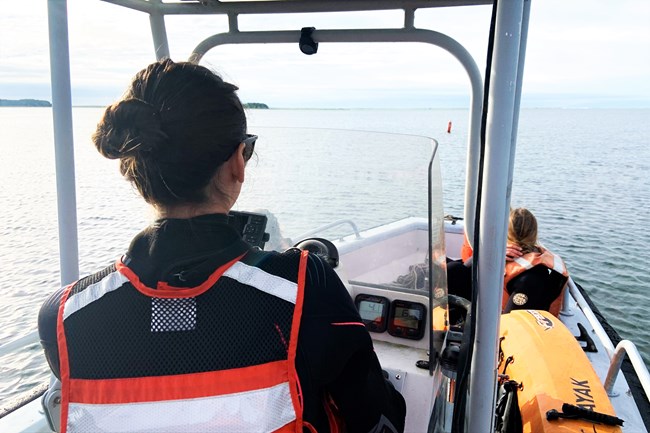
(570, 411)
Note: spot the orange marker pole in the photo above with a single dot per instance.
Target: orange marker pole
(449, 127)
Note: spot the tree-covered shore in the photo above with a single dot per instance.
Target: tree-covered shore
(258, 105)
(24, 103)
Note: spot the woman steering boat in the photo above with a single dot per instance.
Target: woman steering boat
(192, 328)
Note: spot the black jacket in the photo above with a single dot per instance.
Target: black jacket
(338, 361)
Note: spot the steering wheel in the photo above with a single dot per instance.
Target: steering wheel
(322, 248)
(458, 301)
(459, 308)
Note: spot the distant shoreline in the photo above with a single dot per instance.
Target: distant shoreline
(46, 104)
(256, 105)
(24, 103)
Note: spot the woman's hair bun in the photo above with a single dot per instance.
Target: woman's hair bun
(174, 127)
(129, 128)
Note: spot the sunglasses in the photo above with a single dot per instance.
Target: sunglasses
(249, 146)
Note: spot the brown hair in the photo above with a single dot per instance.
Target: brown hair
(522, 230)
(174, 127)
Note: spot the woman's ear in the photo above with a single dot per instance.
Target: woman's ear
(230, 175)
(237, 165)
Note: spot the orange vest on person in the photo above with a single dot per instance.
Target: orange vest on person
(172, 359)
(528, 261)
(466, 250)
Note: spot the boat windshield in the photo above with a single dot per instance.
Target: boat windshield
(332, 183)
(367, 192)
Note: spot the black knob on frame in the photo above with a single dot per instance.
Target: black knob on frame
(307, 44)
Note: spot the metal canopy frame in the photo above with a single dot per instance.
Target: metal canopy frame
(500, 137)
(157, 9)
(198, 7)
(406, 34)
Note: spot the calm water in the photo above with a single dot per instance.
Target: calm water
(584, 173)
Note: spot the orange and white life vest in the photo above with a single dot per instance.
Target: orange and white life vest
(466, 250)
(528, 261)
(216, 357)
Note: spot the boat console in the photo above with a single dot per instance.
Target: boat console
(384, 271)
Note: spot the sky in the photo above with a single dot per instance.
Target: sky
(581, 54)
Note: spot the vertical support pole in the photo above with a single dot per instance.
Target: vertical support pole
(473, 156)
(409, 18)
(520, 78)
(159, 33)
(500, 144)
(233, 23)
(57, 11)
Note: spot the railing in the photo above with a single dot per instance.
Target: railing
(616, 355)
(591, 318)
(355, 229)
(626, 347)
(36, 392)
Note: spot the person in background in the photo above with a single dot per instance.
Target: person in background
(534, 277)
(192, 329)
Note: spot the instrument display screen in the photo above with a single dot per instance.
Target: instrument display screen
(403, 319)
(370, 310)
(407, 319)
(373, 311)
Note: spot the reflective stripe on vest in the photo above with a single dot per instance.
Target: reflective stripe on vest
(93, 292)
(258, 398)
(255, 277)
(556, 263)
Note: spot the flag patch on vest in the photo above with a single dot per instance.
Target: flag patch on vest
(173, 314)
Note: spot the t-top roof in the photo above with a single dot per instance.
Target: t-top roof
(201, 7)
